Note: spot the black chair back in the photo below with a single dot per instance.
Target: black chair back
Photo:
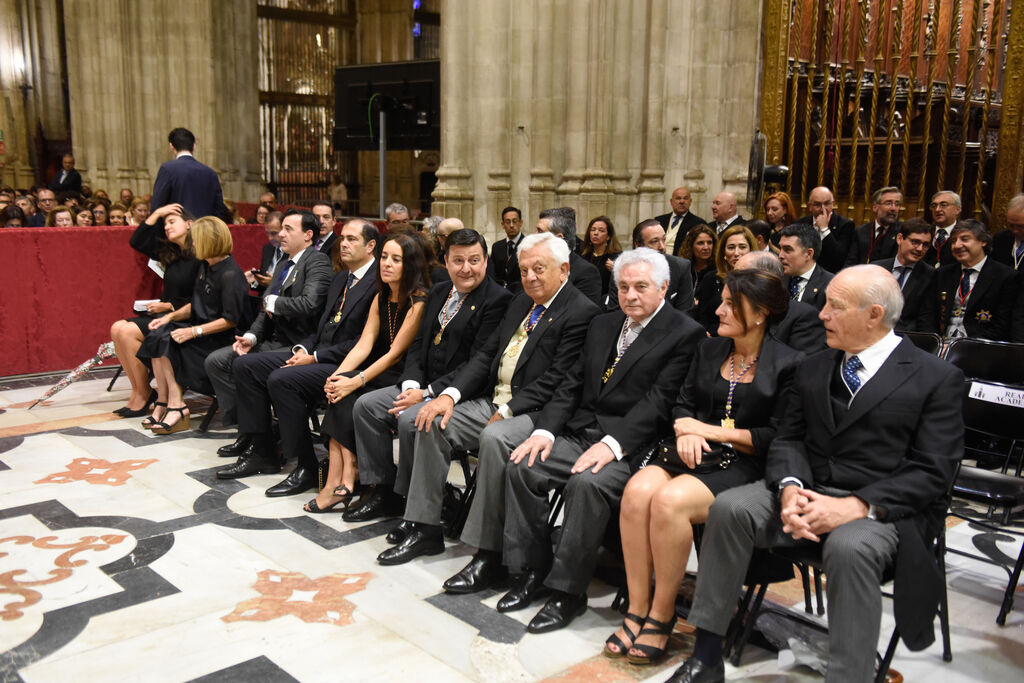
(991, 361)
(926, 341)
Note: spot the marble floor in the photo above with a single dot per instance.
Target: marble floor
(123, 557)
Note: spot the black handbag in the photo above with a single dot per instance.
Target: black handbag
(665, 456)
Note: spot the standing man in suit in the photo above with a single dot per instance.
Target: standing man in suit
(723, 212)
(977, 293)
(877, 239)
(260, 278)
(806, 281)
(583, 275)
(650, 234)
(292, 380)
(946, 207)
(915, 277)
(458, 319)
(1007, 245)
(326, 238)
(492, 403)
(679, 222)
(187, 182)
(860, 468)
(504, 266)
(800, 328)
(68, 179)
(615, 402)
(290, 309)
(836, 231)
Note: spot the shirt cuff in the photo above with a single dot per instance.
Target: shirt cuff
(454, 393)
(613, 444)
(505, 411)
(410, 384)
(299, 347)
(545, 433)
(270, 302)
(250, 337)
(786, 481)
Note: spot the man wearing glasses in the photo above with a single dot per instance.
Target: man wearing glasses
(503, 265)
(945, 208)
(877, 240)
(915, 277)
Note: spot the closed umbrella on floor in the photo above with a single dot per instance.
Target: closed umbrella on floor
(104, 352)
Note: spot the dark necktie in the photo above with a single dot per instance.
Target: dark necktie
(676, 220)
(794, 287)
(538, 311)
(940, 238)
(965, 283)
(1020, 250)
(850, 378)
(901, 275)
(279, 282)
(878, 231)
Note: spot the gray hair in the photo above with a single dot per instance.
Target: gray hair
(395, 208)
(876, 198)
(1016, 203)
(562, 221)
(430, 224)
(656, 260)
(878, 286)
(557, 247)
(763, 260)
(954, 195)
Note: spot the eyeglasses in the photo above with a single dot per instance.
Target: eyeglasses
(891, 203)
(919, 244)
(941, 205)
(512, 221)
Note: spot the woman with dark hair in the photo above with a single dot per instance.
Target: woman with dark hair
(779, 211)
(83, 215)
(374, 362)
(733, 243)
(180, 341)
(601, 247)
(699, 248)
(171, 246)
(262, 211)
(726, 416)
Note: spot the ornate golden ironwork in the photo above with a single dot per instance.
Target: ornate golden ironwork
(992, 31)
(811, 68)
(952, 55)
(773, 92)
(1010, 154)
(855, 136)
(897, 52)
(830, 16)
(798, 7)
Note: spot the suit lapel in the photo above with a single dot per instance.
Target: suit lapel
(605, 349)
(648, 339)
(895, 371)
(543, 325)
(821, 399)
(358, 291)
(981, 285)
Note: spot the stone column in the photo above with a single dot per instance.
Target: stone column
(17, 163)
(453, 195)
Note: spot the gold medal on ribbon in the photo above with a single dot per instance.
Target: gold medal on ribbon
(958, 312)
(437, 338)
(728, 423)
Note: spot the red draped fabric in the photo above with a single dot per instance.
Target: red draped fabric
(62, 288)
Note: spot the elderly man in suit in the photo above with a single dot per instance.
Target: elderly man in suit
(877, 240)
(187, 182)
(459, 316)
(650, 234)
(492, 403)
(800, 328)
(945, 207)
(977, 293)
(561, 222)
(799, 245)
(292, 380)
(723, 212)
(679, 221)
(503, 265)
(915, 277)
(1008, 244)
(587, 439)
(290, 308)
(836, 231)
(860, 468)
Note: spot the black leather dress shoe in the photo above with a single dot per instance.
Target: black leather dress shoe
(375, 505)
(301, 479)
(483, 571)
(398, 534)
(558, 612)
(695, 671)
(248, 464)
(424, 539)
(233, 450)
(525, 588)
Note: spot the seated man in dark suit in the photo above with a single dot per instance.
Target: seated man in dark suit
(1008, 244)
(679, 221)
(800, 328)
(187, 182)
(860, 467)
(292, 380)
(976, 294)
(33, 218)
(459, 316)
(290, 308)
(259, 278)
(325, 240)
(877, 239)
(799, 245)
(561, 222)
(945, 207)
(650, 234)
(915, 277)
(836, 231)
(492, 403)
(503, 265)
(615, 402)
(68, 179)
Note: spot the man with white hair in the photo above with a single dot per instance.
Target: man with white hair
(946, 207)
(587, 437)
(491, 404)
(859, 468)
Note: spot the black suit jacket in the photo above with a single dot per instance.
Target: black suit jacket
(946, 257)
(920, 298)
(192, 184)
(764, 407)
(860, 246)
(73, 183)
(896, 448)
(584, 277)
(801, 328)
(990, 305)
(435, 365)
(814, 290)
(1017, 318)
(633, 405)
(689, 221)
(836, 245)
(503, 265)
(1002, 248)
(740, 220)
(328, 244)
(680, 286)
(301, 302)
(545, 360)
(333, 340)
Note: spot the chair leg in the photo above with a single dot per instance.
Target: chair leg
(737, 648)
(883, 667)
(114, 378)
(817, 592)
(208, 418)
(736, 625)
(947, 649)
(805, 579)
(1011, 588)
(621, 600)
(314, 422)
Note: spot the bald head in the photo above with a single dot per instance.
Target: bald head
(447, 227)
(723, 207)
(680, 200)
(760, 260)
(863, 305)
(820, 201)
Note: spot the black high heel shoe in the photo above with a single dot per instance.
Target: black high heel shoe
(649, 653)
(346, 494)
(125, 411)
(153, 419)
(183, 423)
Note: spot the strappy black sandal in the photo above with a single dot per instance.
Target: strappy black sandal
(614, 639)
(651, 653)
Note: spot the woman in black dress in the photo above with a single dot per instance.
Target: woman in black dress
(601, 247)
(699, 248)
(171, 246)
(732, 395)
(181, 340)
(733, 243)
(375, 360)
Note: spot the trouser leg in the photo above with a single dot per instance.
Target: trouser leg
(373, 427)
(218, 369)
(294, 392)
(251, 373)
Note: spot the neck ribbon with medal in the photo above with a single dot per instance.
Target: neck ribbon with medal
(618, 356)
(734, 379)
(513, 350)
(448, 319)
(961, 298)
